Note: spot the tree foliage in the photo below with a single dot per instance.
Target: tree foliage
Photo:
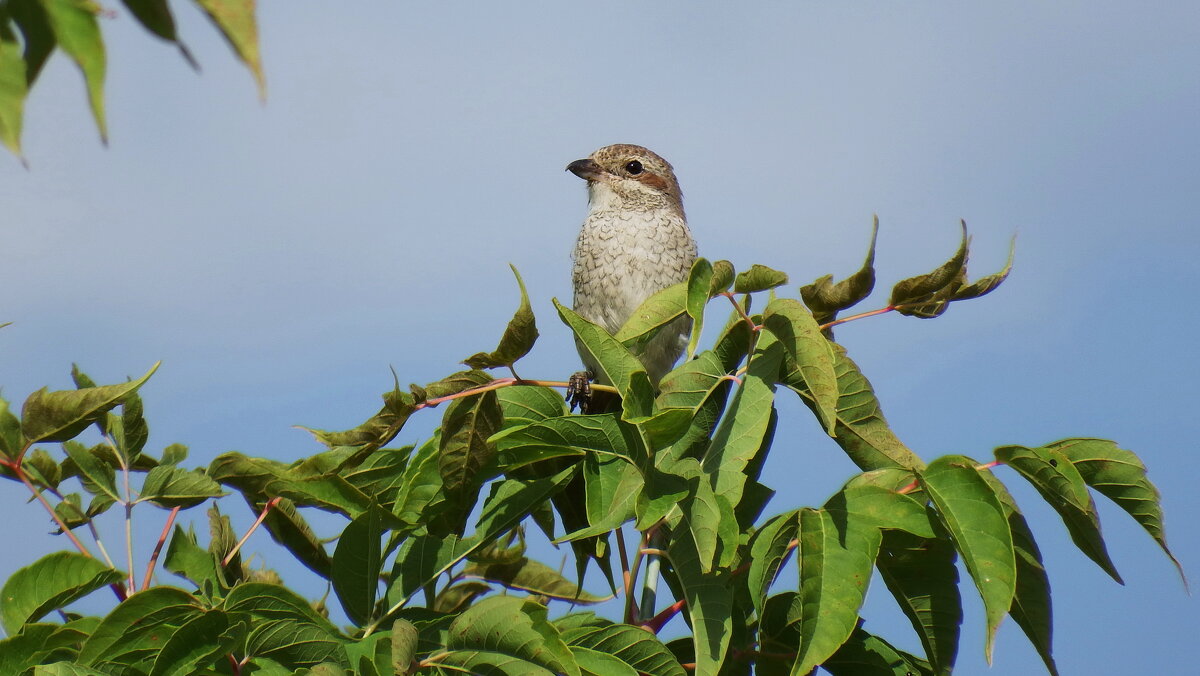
(431, 567)
(31, 31)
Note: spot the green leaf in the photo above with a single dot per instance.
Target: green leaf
(985, 285)
(530, 403)
(155, 16)
(710, 518)
(709, 599)
(404, 646)
(921, 575)
(10, 432)
(331, 493)
(379, 429)
(285, 627)
(357, 562)
(169, 486)
(197, 643)
(596, 663)
(979, 528)
(288, 528)
(662, 308)
(634, 646)
(534, 577)
(512, 500)
(610, 487)
(188, 559)
(12, 90)
(758, 278)
(501, 630)
(826, 299)
(519, 336)
(836, 556)
(39, 41)
(464, 452)
(811, 352)
(49, 583)
(699, 290)
(100, 475)
(866, 655)
(604, 435)
(1031, 608)
(618, 366)
(35, 644)
(881, 507)
(235, 19)
(861, 429)
(65, 669)
(420, 494)
(78, 34)
(770, 546)
(1060, 484)
(921, 288)
(59, 416)
(138, 627)
(1120, 476)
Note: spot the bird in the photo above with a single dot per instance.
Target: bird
(634, 242)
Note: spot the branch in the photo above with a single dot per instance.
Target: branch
(158, 548)
(257, 522)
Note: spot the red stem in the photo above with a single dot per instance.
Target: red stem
(257, 522)
(162, 538)
(656, 623)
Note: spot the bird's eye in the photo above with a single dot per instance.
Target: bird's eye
(633, 167)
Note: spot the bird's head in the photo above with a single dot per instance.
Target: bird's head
(625, 176)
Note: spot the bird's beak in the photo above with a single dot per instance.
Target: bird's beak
(586, 169)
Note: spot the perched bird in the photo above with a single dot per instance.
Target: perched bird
(634, 242)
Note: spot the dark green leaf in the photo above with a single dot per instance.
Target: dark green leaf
(866, 655)
(519, 336)
(758, 278)
(169, 486)
(10, 432)
(533, 577)
(357, 562)
(500, 631)
(331, 493)
(810, 351)
(836, 556)
(49, 583)
(1060, 484)
(155, 16)
(617, 364)
(188, 559)
(100, 476)
(709, 599)
(379, 429)
(826, 299)
(604, 435)
(861, 429)
(699, 290)
(770, 547)
(35, 33)
(1120, 476)
(979, 527)
(65, 669)
(985, 285)
(921, 575)
(197, 643)
(138, 627)
(404, 646)
(920, 289)
(285, 627)
(464, 452)
(1031, 608)
(596, 663)
(530, 403)
(634, 646)
(59, 416)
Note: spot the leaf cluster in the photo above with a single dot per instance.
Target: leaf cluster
(31, 31)
(431, 567)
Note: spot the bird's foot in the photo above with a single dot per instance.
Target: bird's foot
(579, 391)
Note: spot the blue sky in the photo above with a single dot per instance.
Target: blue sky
(279, 258)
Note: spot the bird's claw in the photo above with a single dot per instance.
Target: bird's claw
(579, 391)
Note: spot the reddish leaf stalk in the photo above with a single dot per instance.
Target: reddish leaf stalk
(656, 623)
(863, 315)
(162, 538)
(501, 383)
(257, 522)
(741, 311)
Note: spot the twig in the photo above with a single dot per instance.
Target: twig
(863, 315)
(741, 311)
(257, 522)
(660, 620)
(158, 548)
(501, 383)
